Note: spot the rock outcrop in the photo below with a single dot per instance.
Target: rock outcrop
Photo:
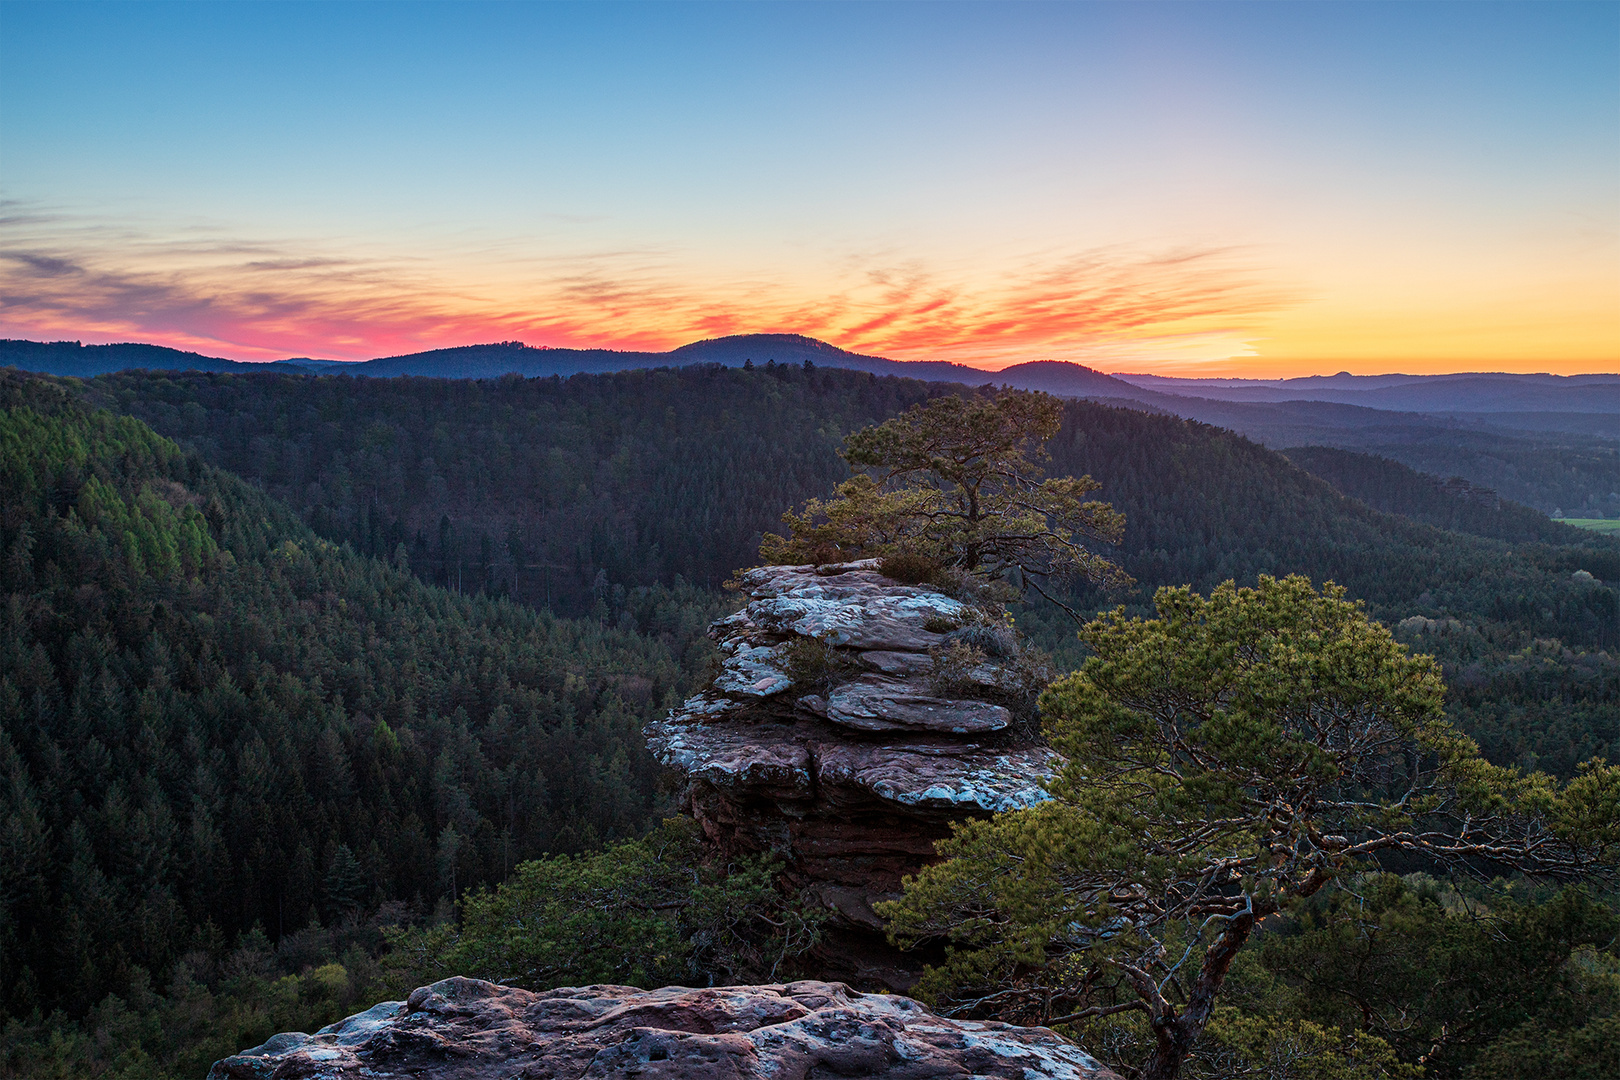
(466, 1029)
(830, 738)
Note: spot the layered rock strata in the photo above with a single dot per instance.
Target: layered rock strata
(467, 1029)
(827, 738)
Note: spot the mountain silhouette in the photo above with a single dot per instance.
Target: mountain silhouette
(1273, 410)
(513, 357)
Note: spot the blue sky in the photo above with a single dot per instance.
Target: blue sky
(1260, 187)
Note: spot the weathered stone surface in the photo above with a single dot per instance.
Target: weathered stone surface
(859, 608)
(899, 664)
(705, 708)
(466, 1029)
(879, 703)
(995, 677)
(724, 629)
(853, 777)
(753, 671)
(925, 777)
(762, 758)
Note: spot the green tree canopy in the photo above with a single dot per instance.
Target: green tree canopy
(1230, 757)
(955, 482)
(646, 912)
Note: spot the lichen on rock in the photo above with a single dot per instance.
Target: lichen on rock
(468, 1029)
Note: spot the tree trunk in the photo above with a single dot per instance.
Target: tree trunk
(972, 552)
(1177, 1036)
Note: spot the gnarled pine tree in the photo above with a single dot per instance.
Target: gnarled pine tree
(1225, 760)
(955, 483)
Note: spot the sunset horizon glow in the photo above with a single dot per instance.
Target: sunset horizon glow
(1204, 190)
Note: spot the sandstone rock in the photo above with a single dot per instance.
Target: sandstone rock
(950, 778)
(763, 758)
(799, 761)
(704, 708)
(857, 608)
(729, 625)
(993, 676)
(753, 671)
(878, 703)
(466, 1029)
(854, 776)
(897, 663)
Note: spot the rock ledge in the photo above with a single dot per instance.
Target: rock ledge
(467, 1029)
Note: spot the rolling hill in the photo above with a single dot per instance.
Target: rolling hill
(1546, 441)
(1491, 392)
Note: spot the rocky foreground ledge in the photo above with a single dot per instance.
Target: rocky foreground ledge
(467, 1029)
(852, 768)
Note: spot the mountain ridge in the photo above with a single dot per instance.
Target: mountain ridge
(1278, 412)
(1461, 392)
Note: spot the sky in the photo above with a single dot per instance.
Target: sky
(1268, 189)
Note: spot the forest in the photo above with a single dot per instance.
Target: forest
(293, 665)
(571, 494)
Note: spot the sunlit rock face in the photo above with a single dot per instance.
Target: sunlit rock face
(829, 738)
(467, 1029)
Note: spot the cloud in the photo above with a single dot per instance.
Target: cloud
(252, 299)
(38, 265)
(292, 264)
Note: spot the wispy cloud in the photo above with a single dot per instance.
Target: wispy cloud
(292, 264)
(252, 299)
(1067, 305)
(32, 263)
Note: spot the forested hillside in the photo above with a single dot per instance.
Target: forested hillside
(238, 742)
(572, 493)
(217, 721)
(1577, 474)
(1451, 503)
(533, 486)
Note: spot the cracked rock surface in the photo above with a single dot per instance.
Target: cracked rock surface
(851, 771)
(467, 1029)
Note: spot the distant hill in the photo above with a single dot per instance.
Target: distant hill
(1453, 503)
(88, 361)
(1434, 423)
(491, 361)
(1527, 402)
(1446, 394)
(1067, 379)
(514, 357)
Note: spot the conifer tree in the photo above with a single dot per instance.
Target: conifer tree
(954, 485)
(1225, 760)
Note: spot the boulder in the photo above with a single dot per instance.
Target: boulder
(467, 1029)
(849, 774)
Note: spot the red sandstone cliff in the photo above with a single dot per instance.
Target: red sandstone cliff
(839, 735)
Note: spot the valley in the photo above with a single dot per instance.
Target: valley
(322, 654)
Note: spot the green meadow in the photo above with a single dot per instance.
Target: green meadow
(1602, 525)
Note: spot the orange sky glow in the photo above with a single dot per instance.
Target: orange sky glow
(1207, 311)
(1182, 189)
